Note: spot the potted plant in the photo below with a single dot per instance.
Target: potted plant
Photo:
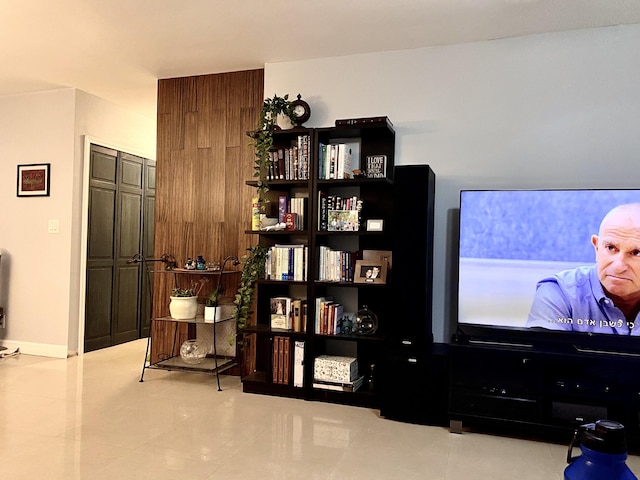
(212, 309)
(262, 137)
(184, 301)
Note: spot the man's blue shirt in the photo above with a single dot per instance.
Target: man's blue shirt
(575, 300)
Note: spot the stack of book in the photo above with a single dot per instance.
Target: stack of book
(339, 386)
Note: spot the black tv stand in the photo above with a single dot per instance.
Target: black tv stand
(541, 391)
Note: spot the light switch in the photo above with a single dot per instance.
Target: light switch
(54, 226)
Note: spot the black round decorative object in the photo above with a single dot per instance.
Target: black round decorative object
(366, 321)
(301, 110)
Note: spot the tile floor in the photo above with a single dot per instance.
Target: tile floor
(89, 418)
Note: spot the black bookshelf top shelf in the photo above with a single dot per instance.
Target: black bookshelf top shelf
(357, 130)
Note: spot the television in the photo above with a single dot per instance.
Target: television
(518, 248)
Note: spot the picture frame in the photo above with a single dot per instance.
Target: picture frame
(370, 271)
(34, 180)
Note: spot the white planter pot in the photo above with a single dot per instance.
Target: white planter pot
(182, 308)
(212, 314)
(284, 122)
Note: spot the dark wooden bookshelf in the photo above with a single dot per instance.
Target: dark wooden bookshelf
(380, 202)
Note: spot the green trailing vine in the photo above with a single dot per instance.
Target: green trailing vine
(262, 138)
(253, 268)
(253, 264)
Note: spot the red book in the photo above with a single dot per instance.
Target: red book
(290, 219)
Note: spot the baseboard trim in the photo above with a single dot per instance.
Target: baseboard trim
(38, 349)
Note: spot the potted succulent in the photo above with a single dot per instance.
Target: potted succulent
(184, 301)
(212, 309)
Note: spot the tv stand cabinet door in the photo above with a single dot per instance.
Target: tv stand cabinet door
(495, 384)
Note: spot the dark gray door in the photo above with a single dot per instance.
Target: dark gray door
(117, 209)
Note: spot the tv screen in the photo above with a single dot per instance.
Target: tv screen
(551, 261)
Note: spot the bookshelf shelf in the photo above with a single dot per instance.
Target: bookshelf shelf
(373, 199)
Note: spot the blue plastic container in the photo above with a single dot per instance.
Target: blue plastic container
(604, 451)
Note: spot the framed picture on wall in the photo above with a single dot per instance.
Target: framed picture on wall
(33, 180)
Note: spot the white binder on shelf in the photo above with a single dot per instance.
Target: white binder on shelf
(298, 364)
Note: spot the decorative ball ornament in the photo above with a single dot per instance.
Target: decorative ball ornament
(301, 110)
(366, 321)
(192, 352)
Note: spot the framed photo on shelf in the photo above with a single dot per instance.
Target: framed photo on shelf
(34, 180)
(370, 271)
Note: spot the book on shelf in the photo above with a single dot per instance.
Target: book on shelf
(286, 359)
(255, 213)
(283, 202)
(275, 359)
(291, 221)
(298, 364)
(364, 121)
(298, 314)
(339, 386)
(281, 360)
(281, 312)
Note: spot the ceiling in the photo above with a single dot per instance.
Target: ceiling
(118, 49)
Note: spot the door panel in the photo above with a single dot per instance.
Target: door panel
(97, 332)
(101, 223)
(124, 326)
(116, 290)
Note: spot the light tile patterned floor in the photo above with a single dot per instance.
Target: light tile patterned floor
(89, 418)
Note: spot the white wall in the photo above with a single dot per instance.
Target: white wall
(553, 110)
(43, 269)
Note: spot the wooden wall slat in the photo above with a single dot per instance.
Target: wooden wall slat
(203, 160)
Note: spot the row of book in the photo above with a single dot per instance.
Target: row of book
(288, 313)
(291, 211)
(335, 265)
(339, 213)
(287, 262)
(331, 319)
(334, 161)
(291, 163)
(282, 371)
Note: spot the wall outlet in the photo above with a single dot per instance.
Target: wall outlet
(54, 226)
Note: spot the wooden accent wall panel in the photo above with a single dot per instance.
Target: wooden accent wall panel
(203, 161)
